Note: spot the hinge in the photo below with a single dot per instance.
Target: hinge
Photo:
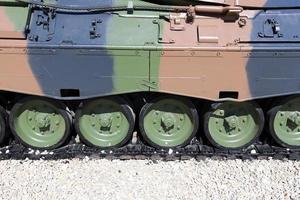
(161, 38)
(44, 28)
(177, 22)
(94, 29)
(148, 85)
(271, 28)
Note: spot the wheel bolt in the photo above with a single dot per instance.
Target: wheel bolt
(33, 128)
(178, 127)
(239, 129)
(93, 124)
(281, 114)
(220, 130)
(157, 112)
(118, 125)
(281, 124)
(154, 122)
(57, 123)
(52, 131)
(30, 118)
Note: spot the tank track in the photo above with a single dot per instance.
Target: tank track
(137, 150)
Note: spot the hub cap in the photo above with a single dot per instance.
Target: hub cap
(39, 123)
(104, 122)
(168, 123)
(233, 125)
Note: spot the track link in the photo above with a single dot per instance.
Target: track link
(140, 151)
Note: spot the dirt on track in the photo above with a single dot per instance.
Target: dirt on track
(145, 179)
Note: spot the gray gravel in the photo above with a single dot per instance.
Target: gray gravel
(104, 179)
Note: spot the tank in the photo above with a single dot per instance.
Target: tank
(169, 73)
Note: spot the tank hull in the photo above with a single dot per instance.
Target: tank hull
(204, 71)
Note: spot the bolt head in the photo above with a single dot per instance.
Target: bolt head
(281, 114)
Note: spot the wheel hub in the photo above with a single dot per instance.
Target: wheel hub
(168, 121)
(232, 121)
(43, 121)
(105, 120)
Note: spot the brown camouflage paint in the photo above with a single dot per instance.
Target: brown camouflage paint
(15, 70)
(207, 65)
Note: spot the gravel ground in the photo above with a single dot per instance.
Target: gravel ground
(143, 179)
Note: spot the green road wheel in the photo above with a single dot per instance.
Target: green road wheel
(105, 123)
(168, 122)
(233, 125)
(284, 123)
(40, 123)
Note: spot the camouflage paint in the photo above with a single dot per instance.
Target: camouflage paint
(272, 67)
(136, 54)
